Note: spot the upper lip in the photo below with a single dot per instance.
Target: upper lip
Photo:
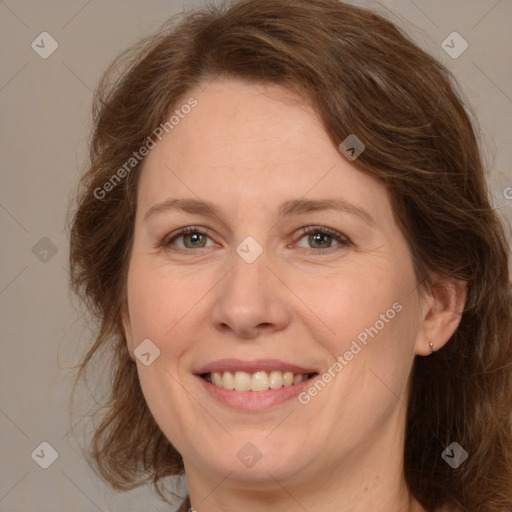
(267, 365)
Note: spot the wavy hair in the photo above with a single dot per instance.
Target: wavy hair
(364, 76)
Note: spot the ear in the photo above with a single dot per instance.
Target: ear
(127, 327)
(441, 313)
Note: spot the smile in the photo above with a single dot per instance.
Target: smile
(259, 381)
(256, 385)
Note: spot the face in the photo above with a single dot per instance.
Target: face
(293, 262)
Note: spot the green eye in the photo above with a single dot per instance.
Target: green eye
(323, 240)
(193, 238)
(320, 238)
(196, 239)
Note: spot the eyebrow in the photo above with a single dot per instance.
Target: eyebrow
(287, 209)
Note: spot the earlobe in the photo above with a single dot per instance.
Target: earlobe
(442, 315)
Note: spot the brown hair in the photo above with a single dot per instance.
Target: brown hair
(364, 77)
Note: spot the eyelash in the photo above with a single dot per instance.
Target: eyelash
(342, 240)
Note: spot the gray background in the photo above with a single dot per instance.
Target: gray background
(45, 107)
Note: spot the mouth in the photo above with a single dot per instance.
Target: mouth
(254, 386)
(258, 381)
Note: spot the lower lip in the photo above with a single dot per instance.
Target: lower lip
(255, 401)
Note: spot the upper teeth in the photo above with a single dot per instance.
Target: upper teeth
(259, 381)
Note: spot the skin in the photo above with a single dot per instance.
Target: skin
(248, 148)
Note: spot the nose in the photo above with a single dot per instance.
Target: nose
(251, 300)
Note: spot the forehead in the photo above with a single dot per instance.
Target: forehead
(253, 143)
(235, 121)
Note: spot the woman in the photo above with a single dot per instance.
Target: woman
(286, 234)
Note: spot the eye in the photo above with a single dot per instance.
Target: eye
(192, 238)
(321, 238)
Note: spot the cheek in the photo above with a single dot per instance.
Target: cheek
(366, 316)
(158, 312)
(157, 304)
(346, 302)
(375, 338)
